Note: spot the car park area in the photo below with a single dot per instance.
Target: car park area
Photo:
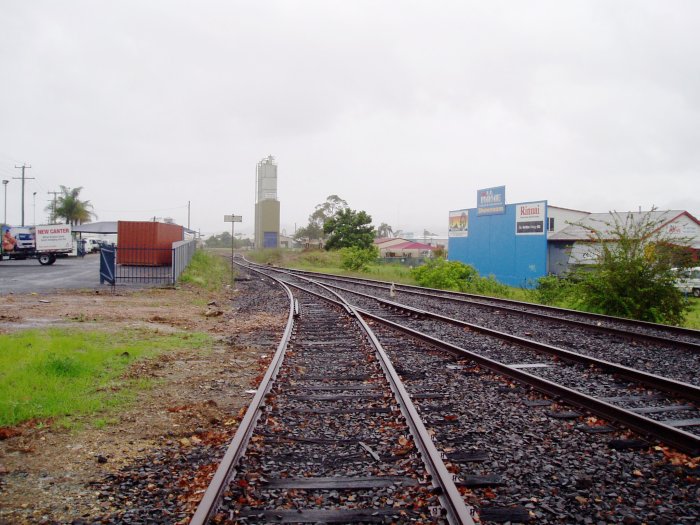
(26, 276)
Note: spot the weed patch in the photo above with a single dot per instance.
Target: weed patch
(206, 270)
(63, 373)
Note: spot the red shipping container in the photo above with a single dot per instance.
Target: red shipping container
(144, 243)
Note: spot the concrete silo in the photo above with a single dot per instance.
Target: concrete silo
(267, 207)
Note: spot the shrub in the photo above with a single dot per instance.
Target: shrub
(633, 272)
(446, 275)
(358, 259)
(488, 286)
(555, 290)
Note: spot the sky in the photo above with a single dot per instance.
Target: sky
(402, 108)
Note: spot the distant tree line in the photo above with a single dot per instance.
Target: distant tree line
(223, 240)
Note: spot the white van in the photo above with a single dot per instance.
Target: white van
(689, 281)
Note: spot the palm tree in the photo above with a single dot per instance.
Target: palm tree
(384, 230)
(69, 207)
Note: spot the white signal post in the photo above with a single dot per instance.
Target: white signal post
(232, 219)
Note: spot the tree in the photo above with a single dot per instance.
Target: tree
(358, 259)
(223, 240)
(634, 270)
(384, 230)
(327, 209)
(455, 275)
(349, 228)
(321, 213)
(71, 208)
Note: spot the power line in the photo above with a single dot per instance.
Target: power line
(145, 211)
(23, 167)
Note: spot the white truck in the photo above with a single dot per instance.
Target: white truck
(44, 242)
(688, 281)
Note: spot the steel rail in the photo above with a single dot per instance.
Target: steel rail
(477, 299)
(679, 439)
(226, 470)
(458, 297)
(679, 388)
(441, 478)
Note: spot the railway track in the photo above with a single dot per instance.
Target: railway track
(652, 405)
(621, 328)
(517, 451)
(331, 435)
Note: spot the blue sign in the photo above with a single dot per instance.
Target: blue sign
(491, 201)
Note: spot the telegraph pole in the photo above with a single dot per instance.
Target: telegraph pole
(188, 215)
(4, 184)
(53, 206)
(23, 166)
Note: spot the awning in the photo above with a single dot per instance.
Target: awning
(96, 227)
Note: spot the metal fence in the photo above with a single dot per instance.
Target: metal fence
(145, 265)
(182, 255)
(405, 261)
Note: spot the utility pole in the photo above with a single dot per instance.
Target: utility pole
(34, 208)
(5, 183)
(188, 215)
(53, 206)
(23, 166)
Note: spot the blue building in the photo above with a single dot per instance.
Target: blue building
(518, 243)
(508, 241)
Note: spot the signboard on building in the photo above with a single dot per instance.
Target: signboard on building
(491, 201)
(529, 218)
(459, 223)
(684, 229)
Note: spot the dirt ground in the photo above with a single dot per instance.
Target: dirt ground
(49, 474)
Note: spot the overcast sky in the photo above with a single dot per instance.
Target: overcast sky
(404, 109)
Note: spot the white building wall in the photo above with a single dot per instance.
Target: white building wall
(685, 229)
(563, 217)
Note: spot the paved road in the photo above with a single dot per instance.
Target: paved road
(66, 273)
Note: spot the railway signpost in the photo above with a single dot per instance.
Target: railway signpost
(232, 219)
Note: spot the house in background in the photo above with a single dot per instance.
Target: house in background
(572, 245)
(400, 248)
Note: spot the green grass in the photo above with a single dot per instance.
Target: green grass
(206, 270)
(692, 319)
(329, 262)
(61, 374)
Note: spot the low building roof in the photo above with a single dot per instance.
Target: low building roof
(111, 227)
(97, 227)
(383, 240)
(410, 245)
(605, 223)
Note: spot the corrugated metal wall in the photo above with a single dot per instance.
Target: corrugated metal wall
(493, 248)
(146, 243)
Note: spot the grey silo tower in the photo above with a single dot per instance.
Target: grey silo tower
(267, 207)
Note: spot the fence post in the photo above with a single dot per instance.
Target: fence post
(107, 266)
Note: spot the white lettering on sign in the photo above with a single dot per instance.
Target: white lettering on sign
(489, 197)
